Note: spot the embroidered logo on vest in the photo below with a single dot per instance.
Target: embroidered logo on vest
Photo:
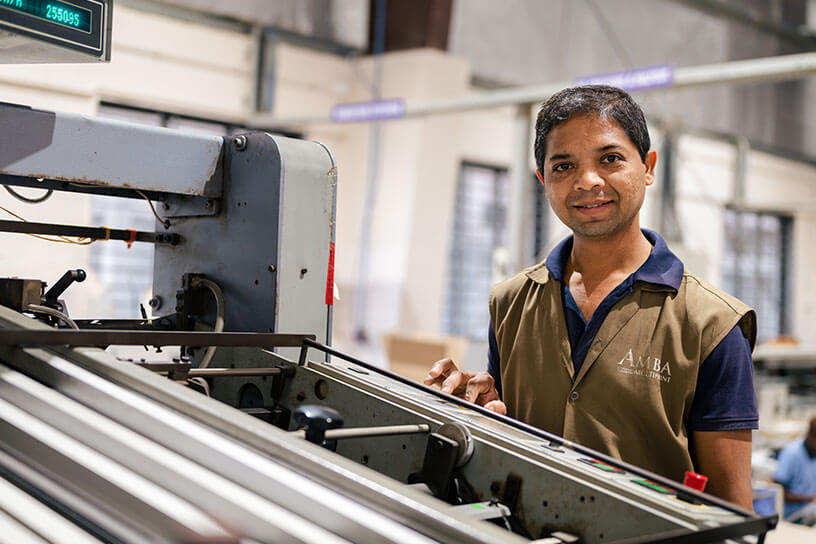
(649, 367)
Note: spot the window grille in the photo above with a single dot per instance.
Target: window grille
(757, 249)
(480, 225)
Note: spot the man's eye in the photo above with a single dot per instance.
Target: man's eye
(562, 167)
(610, 158)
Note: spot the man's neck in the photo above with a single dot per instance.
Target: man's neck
(620, 254)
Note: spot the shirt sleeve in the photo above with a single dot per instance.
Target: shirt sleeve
(724, 399)
(493, 361)
(785, 468)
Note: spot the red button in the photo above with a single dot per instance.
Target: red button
(695, 481)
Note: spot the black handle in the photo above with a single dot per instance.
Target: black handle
(64, 283)
(317, 420)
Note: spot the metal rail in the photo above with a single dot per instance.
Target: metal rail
(151, 338)
(93, 233)
(777, 68)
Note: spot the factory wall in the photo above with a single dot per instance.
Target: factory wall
(186, 68)
(158, 63)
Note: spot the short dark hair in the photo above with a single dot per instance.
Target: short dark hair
(603, 100)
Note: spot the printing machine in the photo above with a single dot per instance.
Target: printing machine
(258, 431)
(207, 447)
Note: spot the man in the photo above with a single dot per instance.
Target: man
(796, 472)
(609, 342)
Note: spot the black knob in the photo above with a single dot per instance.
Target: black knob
(317, 420)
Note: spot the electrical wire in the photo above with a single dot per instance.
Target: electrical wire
(37, 309)
(59, 239)
(219, 317)
(164, 222)
(29, 200)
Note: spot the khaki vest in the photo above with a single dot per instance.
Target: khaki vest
(634, 391)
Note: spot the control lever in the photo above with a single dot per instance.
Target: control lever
(317, 420)
(51, 296)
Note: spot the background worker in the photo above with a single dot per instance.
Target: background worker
(796, 472)
(610, 342)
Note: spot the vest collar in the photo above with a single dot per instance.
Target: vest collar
(661, 269)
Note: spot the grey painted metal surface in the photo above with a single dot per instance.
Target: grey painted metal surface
(108, 153)
(306, 238)
(559, 490)
(268, 247)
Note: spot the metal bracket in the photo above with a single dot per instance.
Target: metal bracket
(179, 206)
(441, 454)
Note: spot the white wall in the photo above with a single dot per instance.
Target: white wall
(187, 68)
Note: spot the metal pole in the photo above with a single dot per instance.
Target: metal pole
(365, 432)
(778, 68)
(361, 299)
(518, 209)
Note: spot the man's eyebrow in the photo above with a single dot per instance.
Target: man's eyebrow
(609, 147)
(559, 156)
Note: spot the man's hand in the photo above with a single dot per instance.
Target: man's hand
(478, 387)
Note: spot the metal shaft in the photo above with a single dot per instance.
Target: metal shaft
(218, 372)
(92, 233)
(362, 432)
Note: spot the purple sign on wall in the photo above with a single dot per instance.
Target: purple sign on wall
(368, 111)
(649, 77)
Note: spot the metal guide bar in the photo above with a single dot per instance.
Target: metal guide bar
(93, 233)
(737, 530)
(10, 337)
(129, 394)
(131, 464)
(279, 481)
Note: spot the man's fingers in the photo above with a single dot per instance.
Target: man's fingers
(481, 386)
(439, 371)
(490, 396)
(497, 406)
(455, 383)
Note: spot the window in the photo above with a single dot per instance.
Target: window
(757, 249)
(478, 247)
(479, 225)
(541, 217)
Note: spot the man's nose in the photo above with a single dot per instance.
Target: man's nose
(589, 179)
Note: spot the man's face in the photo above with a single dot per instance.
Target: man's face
(594, 177)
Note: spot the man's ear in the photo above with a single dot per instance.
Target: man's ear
(539, 176)
(650, 162)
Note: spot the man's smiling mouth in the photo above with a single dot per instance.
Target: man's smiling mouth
(590, 206)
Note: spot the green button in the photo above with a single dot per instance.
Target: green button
(652, 485)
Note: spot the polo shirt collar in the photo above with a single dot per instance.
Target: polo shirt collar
(661, 268)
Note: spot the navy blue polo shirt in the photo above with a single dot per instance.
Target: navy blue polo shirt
(724, 399)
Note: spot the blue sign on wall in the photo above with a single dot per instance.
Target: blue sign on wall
(368, 111)
(649, 77)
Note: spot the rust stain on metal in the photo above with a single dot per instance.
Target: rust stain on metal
(82, 180)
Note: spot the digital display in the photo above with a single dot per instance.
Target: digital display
(60, 13)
